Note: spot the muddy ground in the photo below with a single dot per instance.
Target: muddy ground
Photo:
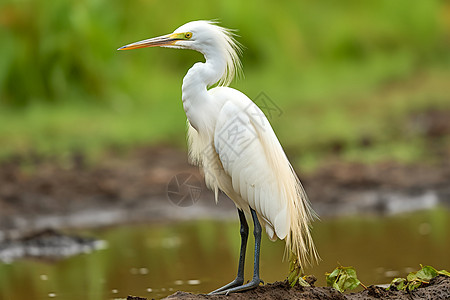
(38, 193)
(438, 289)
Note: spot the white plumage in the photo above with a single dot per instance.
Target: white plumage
(240, 155)
(231, 140)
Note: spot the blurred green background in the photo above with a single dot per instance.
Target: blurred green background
(351, 77)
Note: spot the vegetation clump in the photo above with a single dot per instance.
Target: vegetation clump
(344, 278)
(416, 279)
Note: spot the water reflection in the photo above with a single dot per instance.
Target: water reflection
(158, 259)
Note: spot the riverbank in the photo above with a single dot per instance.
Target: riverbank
(38, 193)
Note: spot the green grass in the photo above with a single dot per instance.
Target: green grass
(66, 128)
(341, 74)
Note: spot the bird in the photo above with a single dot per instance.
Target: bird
(231, 140)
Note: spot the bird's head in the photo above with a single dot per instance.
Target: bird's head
(205, 37)
(195, 35)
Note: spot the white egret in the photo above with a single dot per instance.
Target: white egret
(231, 140)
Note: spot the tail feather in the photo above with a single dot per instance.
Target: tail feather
(299, 241)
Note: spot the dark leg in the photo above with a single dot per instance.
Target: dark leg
(256, 280)
(240, 275)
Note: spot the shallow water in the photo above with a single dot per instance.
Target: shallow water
(155, 260)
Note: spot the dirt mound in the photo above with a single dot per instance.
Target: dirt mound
(439, 288)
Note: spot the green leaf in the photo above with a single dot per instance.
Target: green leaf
(444, 272)
(296, 278)
(332, 277)
(398, 283)
(291, 278)
(302, 282)
(426, 273)
(295, 270)
(343, 278)
(351, 283)
(413, 285)
(412, 276)
(337, 287)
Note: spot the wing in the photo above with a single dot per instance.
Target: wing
(240, 140)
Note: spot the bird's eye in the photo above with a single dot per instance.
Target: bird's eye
(188, 35)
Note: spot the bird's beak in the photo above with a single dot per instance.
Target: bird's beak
(164, 40)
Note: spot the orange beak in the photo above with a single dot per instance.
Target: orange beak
(164, 40)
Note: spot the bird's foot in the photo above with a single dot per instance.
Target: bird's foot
(225, 290)
(235, 283)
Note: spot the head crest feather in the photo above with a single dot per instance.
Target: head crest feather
(233, 50)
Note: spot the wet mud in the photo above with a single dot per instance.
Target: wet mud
(437, 289)
(38, 193)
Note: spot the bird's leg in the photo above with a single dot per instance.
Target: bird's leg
(255, 280)
(240, 275)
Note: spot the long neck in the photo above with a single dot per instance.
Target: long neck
(195, 84)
